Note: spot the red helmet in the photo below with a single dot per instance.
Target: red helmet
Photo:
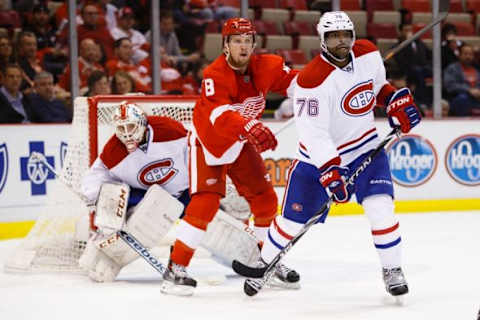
(237, 26)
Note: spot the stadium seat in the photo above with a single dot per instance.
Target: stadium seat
(456, 6)
(274, 42)
(359, 19)
(308, 43)
(464, 28)
(315, 52)
(266, 27)
(295, 56)
(250, 13)
(294, 4)
(378, 5)
(384, 45)
(421, 17)
(310, 16)
(473, 6)
(351, 5)
(386, 17)
(213, 27)
(263, 3)
(230, 3)
(10, 19)
(212, 46)
(262, 51)
(459, 17)
(382, 30)
(416, 5)
(417, 26)
(295, 28)
(276, 15)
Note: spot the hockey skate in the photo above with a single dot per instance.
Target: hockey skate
(176, 281)
(395, 282)
(283, 277)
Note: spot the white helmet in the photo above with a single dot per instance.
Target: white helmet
(334, 21)
(130, 124)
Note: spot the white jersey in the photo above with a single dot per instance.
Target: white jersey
(334, 107)
(162, 160)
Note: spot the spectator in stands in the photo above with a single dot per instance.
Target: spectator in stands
(192, 23)
(98, 84)
(14, 106)
(415, 61)
(49, 108)
(91, 28)
(27, 57)
(122, 83)
(110, 12)
(39, 25)
(124, 61)
(169, 42)
(126, 20)
(86, 65)
(450, 45)
(462, 82)
(6, 52)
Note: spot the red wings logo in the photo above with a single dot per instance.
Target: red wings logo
(158, 172)
(359, 100)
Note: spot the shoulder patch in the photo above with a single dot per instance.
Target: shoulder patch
(314, 73)
(113, 152)
(166, 129)
(362, 47)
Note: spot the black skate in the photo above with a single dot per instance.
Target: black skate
(176, 281)
(283, 277)
(395, 282)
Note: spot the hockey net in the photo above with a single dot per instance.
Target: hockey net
(59, 235)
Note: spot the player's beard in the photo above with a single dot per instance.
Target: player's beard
(235, 64)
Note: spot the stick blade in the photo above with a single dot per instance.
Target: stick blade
(246, 271)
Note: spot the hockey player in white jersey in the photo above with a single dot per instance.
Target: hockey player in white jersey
(143, 168)
(334, 100)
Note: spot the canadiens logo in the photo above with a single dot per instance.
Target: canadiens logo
(359, 100)
(159, 172)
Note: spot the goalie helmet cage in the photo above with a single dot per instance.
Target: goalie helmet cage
(56, 241)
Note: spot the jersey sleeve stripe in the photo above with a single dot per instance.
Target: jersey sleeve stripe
(218, 111)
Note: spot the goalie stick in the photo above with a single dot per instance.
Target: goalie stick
(262, 275)
(130, 240)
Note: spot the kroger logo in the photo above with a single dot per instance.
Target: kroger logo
(413, 160)
(462, 160)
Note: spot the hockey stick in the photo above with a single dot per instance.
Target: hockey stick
(130, 240)
(444, 6)
(252, 286)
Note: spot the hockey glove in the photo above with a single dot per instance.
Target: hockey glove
(332, 179)
(259, 136)
(401, 110)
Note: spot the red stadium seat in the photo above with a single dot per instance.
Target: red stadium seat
(464, 28)
(263, 3)
(266, 27)
(350, 5)
(295, 56)
(10, 19)
(294, 4)
(473, 5)
(213, 27)
(382, 30)
(230, 3)
(416, 5)
(315, 52)
(293, 28)
(417, 26)
(456, 6)
(378, 5)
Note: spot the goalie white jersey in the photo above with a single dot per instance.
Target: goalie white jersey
(326, 95)
(161, 160)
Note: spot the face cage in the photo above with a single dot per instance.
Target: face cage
(135, 135)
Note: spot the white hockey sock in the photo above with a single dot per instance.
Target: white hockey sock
(260, 232)
(279, 234)
(385, 229)
(189, 235)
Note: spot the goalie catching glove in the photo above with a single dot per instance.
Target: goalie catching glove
(401, 110)
(259, 136)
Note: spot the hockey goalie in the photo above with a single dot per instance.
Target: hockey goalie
(139, 184)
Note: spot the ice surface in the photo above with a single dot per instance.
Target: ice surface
(340, 273)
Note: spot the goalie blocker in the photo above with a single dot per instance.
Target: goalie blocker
(105, 255)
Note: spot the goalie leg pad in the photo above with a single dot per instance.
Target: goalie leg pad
(99, 266)
(229, 239)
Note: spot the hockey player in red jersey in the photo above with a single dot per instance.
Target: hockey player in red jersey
(227, 139)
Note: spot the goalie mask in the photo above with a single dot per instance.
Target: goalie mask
(334, 21)
(130, 125)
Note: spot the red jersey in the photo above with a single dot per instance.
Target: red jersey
(229, 98)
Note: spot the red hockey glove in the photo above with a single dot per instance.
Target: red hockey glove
(332, 179)
(259, 136)
(402, 108)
